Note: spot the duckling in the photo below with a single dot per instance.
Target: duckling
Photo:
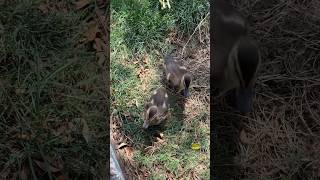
(236, 57)
(177, 76)
(157, 108)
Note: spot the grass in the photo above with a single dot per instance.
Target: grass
(140, 37)
(49, 91)
(282, 133)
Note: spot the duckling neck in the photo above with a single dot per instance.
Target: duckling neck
(181, 85)
(232, 73)
(248, 59)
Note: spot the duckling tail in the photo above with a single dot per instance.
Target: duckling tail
(168, 59)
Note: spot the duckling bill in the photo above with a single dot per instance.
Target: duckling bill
(177, 76)
(156, 109)
(237, 57)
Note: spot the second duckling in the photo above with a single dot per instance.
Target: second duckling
(157, 108)
(236, 58)
(177, 76)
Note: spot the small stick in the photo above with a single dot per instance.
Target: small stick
(198, 26)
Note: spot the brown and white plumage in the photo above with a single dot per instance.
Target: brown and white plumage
(177, 76)
(157, 108)
(236, 56)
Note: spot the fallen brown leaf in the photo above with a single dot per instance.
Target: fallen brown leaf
(15, 176)
(61, 177)
(60, 130)
(57, 6)
(62, 6)
(129, 152)
(4, 173)
(193, 176)
(44, 8)
(159, 140)
(100, 46)
(24, 173)
(102, 21)
(93, 29)
(82, 3)
(148, 149)
(85, 130)
(127, 114)
(105, 38)
(25, 136)
(43, 167)
(145, 60)
(244, 138)
(64, 130)
(100, 57)
(142, 72)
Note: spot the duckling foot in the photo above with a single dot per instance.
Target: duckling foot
(158, 134)
(158, 137)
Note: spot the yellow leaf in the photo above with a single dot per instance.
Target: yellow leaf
(195, 146)
(202, 158)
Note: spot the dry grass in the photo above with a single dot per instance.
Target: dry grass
(281, 137)
(52, 90)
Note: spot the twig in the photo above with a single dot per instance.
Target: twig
(198, 26)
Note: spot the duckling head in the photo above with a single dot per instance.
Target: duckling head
(185, 84)
(247, 61)
(155, 115)
(150, 117)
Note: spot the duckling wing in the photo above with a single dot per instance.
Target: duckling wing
(172, 67)
(159, 99)
(228, 27)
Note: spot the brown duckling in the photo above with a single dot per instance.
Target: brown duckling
(157, 108)
(236, 57)
(177, 76)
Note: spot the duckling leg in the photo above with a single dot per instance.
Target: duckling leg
(240, 99)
